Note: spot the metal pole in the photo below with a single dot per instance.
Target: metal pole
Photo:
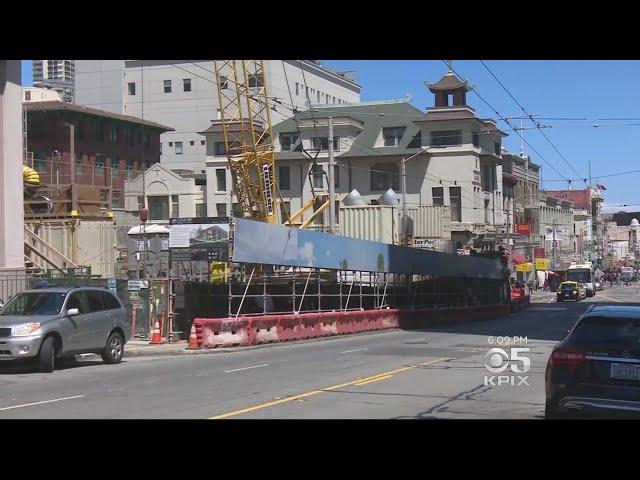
(245, 292)
(332, 187)
(404, 203)
(304, 291)
(72, 152)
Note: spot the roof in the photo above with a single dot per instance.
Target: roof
(447, 83)
(437, 114)
(394, 114)
(72, 107)
(580, 198)
(216, 127)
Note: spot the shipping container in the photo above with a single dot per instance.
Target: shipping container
(376, 223)
(430, 222)
(87, 243)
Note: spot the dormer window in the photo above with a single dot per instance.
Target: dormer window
(290, 142)
(392, 136)
(445, 138)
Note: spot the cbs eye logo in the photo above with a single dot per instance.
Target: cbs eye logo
(497, 360)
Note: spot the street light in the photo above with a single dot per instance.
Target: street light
(404, 193)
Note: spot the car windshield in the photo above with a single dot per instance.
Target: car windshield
(34, 303)
(568, 286)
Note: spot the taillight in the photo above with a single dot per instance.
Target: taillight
(567, 356)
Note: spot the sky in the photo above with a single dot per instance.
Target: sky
(587, 90)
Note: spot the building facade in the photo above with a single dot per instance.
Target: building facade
(37, 94)
(183, 94)
(57, 75)
(452, 159)
(108, 147)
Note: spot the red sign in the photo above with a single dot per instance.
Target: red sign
(539, 252)
(523, 228)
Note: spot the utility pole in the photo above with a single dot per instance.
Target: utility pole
(72, 152)
(332, 187)
(553, 244)
(404, 202)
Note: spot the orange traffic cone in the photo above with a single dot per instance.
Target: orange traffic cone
(156, 339)
(193, 339)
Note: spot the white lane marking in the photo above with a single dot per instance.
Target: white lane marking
(355, 350)
(40, 403)
(246, 368)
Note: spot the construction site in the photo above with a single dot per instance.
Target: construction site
(337, 265)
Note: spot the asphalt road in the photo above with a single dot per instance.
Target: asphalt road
(431, 373)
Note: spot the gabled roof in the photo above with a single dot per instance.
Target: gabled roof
(374, 116)
(72, 107)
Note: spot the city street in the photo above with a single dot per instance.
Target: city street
(432, 373)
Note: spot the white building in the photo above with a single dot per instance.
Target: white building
(183, 95)
(168, 195)
(37, 94)
(58, 75)
(456, 163)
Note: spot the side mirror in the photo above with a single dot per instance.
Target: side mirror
(72, 312)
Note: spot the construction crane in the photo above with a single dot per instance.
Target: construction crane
(245, 115)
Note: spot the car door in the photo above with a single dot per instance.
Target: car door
(96, 325)
(74, 329)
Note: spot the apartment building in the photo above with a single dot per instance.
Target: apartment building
(57, 75)
(183, 95)
(452, 158)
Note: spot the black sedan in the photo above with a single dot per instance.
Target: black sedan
(595, 370)
(570, 291)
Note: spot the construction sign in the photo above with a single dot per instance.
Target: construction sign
(543, 264)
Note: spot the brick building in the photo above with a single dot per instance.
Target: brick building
(109, 147)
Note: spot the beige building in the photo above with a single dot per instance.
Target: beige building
(37, 94)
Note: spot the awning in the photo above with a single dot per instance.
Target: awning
(519, 258)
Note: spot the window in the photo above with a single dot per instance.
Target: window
(115, 199)
(476, 139)
(416, 141)
(455, 200)
(201, 210)
(113, 133)
(219, 149)
(130, 135)
(158, 208)
(317, 173)
(255, 80)
(79, 166)
(334, 99)
(186, 84)
(285, 210)
(297, 88)
(221, 179)
(40, 163)
(326, 100)
(175, 206)
(99, 130)
(221, 208)
(201, 142)
(487, 177)
(192, 143)
(110, 302)
(178, 148)
(437, 194)
(392, 136)
(306, 92)
(167, 86)
(497, 148)
(129, 165)
(171, 144)
(318, 97)
(147, 140)
(77, 300)
(486, 211)
(289, 141)
(27, 95)
(384, 176)
(132, 88)
(224, 82)
(95, 301)
(445, 138)
(284, 178)
(115, 166)
(160, 148)
(322, 143)
(99, 169)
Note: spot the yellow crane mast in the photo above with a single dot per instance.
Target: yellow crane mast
(246, 123)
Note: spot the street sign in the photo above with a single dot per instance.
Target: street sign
(133, 296)
(136, 285)
(523, 228)
(111, 283)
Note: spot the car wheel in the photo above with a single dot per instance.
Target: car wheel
(114, 350)
(47, 356)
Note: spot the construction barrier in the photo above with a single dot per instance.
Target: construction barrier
(227, 332)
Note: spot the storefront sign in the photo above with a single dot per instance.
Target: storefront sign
(524, 267)
(543, 264)
(523, 228)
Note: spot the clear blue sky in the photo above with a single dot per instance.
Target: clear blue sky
(576, 89)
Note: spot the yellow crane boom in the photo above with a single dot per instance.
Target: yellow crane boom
(246, 123)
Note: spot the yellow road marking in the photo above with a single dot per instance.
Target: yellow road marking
(374, 380)
(360, 381)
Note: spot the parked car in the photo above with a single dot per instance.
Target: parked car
(595, 370)
(570, 291)
(51, 323)
(598, 285)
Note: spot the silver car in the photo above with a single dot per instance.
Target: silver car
(52, 323)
